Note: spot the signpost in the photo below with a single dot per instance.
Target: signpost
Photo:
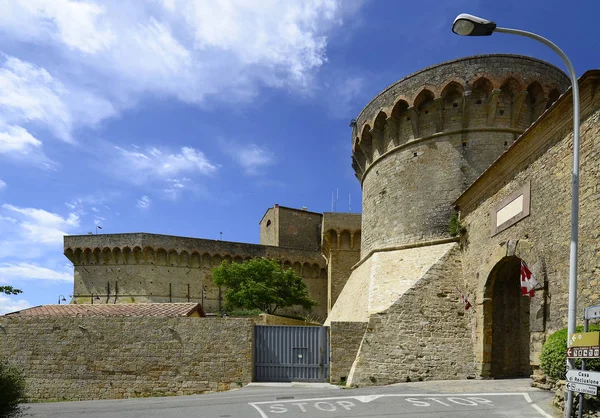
(583, 352)
(584, 377)
(577, 387)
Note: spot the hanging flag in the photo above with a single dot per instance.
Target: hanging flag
(466, 302)
(528, 282)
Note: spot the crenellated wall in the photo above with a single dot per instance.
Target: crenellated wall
(139, 267)
(341, 248)
(423, 140)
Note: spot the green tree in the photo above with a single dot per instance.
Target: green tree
(9, 290)
(12, 391)
(262, 284)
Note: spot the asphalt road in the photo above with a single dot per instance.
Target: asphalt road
(424, 399)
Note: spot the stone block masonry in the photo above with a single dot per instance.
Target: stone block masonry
(346, 338)
(125, 357)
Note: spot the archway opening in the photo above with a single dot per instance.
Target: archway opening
(506, 318)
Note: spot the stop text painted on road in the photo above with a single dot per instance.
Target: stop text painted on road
(408, 402)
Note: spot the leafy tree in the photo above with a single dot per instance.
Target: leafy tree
(12, 391)
(9, 290)
(262, 284)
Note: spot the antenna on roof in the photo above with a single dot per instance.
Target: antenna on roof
(334, 200)
(349, 202)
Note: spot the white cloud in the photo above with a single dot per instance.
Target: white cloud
(252, 158)
(8, 304)
(144, 202)
(2, 184)
(139, 166)
(27, 271)
(18, 144)
(30, 94)
(175, 187)
(40, 226)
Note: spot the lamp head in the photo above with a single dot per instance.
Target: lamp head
(469, 25)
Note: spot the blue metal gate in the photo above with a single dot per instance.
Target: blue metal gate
(286, 353)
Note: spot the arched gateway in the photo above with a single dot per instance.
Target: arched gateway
(506, 321)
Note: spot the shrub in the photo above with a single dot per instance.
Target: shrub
(12, 388)
(553, 358)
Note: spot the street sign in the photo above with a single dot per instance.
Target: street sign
(584, 339)
(576, 387)
(583, 376)
(583, 352)
(592, 312)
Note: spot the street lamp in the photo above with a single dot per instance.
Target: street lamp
(61, 298)
(469, 25)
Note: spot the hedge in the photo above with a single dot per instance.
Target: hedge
(554, 354)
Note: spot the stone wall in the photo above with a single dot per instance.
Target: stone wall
(418, 144)
(128, 268)
(122, 357)
(424, 335)
(345, 339)
(299, 229)
(542, 157)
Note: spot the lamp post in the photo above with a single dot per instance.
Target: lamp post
(469, 25)
(61, 298)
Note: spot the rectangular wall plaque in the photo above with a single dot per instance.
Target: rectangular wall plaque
(511, 209)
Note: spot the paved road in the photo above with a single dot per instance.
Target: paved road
(487, 399)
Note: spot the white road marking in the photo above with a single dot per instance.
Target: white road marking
(322, 404)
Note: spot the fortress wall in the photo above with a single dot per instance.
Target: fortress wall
(340, 268)
(299, 229)
(123, 357)
(423, 140)
(542, 157)
(345, 339)
(159, 268)
(424, 335)
(269, 225)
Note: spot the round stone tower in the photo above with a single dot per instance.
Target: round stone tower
(418, 144)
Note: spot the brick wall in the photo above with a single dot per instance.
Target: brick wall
(122, 357)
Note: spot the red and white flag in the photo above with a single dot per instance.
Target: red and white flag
(466, 302)
(528, 282)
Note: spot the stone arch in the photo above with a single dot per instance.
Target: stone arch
(117, 256)
(331, 238)
(424, 104)
(401, 115)
(505, 101)
(237, 259)
(315, 270)
(481, 92)
(195, 260)
(496, 274)
(536, 101)
(206, 261)
(553, 96)
(138, 254)
(356, 240)
(96, 256)
(161, 257)
(216, 260)
(306, 270)
(127, 255)
(366, 144)
(228, 258)
(345, 240)
(74, 255)
(172, 258)
(323, 274)
(297, 267)
(87, 256)
(377, 134)
(184, 259)
(107, 256)
(149, 255)
(287, 264)
(452, 99)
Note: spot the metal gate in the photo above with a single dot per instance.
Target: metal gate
(286, 353)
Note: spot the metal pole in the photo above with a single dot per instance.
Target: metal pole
(572, 318)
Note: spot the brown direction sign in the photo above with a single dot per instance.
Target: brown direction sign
(584, 352)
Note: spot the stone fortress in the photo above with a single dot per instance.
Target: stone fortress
(482, 138)
(483, 143)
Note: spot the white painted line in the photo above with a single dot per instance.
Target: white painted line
(277, 404)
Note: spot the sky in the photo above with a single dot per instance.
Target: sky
(192, 117)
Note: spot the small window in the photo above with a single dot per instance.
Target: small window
(269, 222)
(478, 101)
(464, 145)
(455, 104)
(408, 118)
(414, 154)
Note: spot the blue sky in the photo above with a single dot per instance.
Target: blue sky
(192, 117)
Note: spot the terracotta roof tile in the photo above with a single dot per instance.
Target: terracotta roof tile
(128, 309)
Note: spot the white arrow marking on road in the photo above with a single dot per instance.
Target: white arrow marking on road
(367, 398)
